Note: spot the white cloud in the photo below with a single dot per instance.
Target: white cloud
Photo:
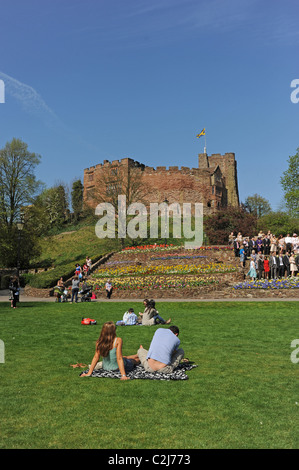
(30, 99)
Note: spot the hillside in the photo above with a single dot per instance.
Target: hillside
(61, 252)
(151, 271)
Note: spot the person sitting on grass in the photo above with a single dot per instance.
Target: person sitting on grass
(109, 347)
(129, 318)
(164, 354)
(151, 316)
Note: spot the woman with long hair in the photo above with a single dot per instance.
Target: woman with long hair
(151, 316)
(109, 347)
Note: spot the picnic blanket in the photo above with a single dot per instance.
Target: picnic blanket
(139, 373)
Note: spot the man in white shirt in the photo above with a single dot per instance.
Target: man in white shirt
(280, 266)
(273, 266)
(288, 242)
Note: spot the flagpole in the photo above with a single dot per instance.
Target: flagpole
(203, 132)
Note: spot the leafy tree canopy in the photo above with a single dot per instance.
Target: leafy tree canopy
(257, 205)
(290, 184)
(18, 184)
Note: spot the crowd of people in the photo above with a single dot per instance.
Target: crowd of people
(270, 257)
(78, 284)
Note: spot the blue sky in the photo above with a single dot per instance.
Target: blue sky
(108, 79)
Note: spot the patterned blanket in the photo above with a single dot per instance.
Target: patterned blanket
(139, 373)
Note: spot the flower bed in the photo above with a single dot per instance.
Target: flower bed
(148, 248)
(176, 257)
(134, 270)
(163, 247)
(154, 282)
(287, 283)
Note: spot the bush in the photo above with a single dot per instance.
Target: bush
(218, 226)
(48, 279)
(5, 279)
(279, 223)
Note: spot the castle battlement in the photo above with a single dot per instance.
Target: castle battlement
(213, 182)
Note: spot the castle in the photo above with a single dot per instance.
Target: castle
(214, 183)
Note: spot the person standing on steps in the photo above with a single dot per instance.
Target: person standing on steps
(88, 264)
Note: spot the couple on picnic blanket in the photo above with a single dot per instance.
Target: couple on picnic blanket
(164, 354)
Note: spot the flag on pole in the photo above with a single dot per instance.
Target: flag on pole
(203, 132)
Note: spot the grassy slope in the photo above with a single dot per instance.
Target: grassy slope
(74, 246)
(63, 251)
(244, 394)
(66, 249)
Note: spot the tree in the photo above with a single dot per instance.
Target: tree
(18, 188)
(257, 205)
(219, 225)
(11, 240)
(77, 198)
(18, 184)
(290, 184)
(54, 200)
(279, 223)
(120, 181)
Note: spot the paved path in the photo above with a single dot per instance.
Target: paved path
(4, 296)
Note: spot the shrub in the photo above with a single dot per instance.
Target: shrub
(5, 278)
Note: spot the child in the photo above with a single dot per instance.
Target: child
(129, 318)
(252, 271)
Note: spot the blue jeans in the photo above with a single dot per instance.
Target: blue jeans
(75, 295)
(160, 319)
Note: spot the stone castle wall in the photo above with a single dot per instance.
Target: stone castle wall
(214, 182)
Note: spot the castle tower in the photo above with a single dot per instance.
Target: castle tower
(228, 166)
(203, 161)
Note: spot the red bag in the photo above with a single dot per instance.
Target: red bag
(88, 321)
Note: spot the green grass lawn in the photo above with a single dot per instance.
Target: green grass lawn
(243, 394)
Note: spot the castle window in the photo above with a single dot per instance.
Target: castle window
(90, 177)
(209, 204)
(90, 194)
(113, 188)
